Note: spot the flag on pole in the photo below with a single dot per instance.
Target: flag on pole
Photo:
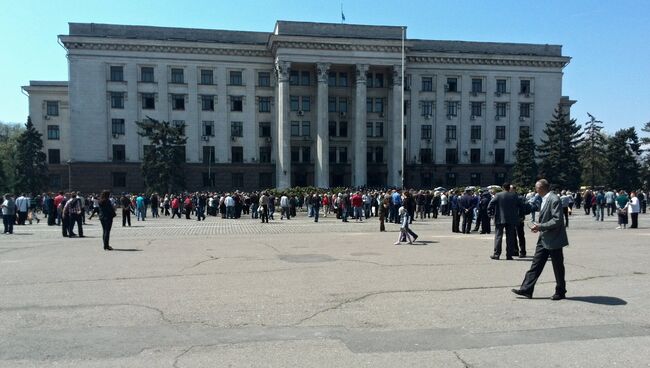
(342, 15)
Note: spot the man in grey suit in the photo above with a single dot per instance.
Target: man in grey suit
(552, 238)
(505, 209)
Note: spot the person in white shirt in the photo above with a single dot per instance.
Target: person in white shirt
(284, 207)
(634, 208)
(22, 207)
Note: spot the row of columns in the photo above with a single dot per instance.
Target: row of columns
(360, 168)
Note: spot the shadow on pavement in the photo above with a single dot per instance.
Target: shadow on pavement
(126, 250)
(599, 299)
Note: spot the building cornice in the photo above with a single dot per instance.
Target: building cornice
(335, 46)
(498, 60)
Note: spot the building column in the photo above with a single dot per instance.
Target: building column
(395, 138)
(283, 127)
(322, 168)
(360, 139)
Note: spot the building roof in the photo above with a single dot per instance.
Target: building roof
(309, 29)
(167, 33)
(33, 83)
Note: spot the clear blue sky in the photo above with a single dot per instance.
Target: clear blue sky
(609, 41)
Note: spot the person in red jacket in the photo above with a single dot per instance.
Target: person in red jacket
(357, 206)
(176, 207)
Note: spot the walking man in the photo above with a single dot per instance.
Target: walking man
(552, 238)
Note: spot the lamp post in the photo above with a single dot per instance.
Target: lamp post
(69, 162)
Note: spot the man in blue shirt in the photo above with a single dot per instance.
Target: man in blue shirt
(455, 214)
(396, 202)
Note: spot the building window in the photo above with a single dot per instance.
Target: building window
(264, 79)
(369, 155)
(294, 103)
(237, 180)
(475, 156)
(237, 154)
(332, 155)
(265, 155)
(265, 129)
(343, 129)
(379, 129)
(306, 103)
(343, 104)
(331, 104)
(477, 85)
(451, 180)
(501, 86)
(207, 103)
(305, 78)
(119, 180)
(179, 151)
(52, 108)
(148, 101)
(119, 153)
(427, 108)
(368, 104)
(369, 129)
(294, 77)
(53, 156)
(427, 84)
(501, 109)
(524, 131)
(451, 156)
(178, 102)
(500, 132)
(236, 129)
(295, 154)
(117, 73)
(295, 128)
(53, 132)
(475, 179)
(499, 178)
(146, 74)
(235, 78)
(499, 156)
(425, 155)
(477, 108)
(426, 131)
(375, 80)
(331, 79)
(379, 105)
(117, 126)
(343, 155)
(117, 100)
(524, 86)
(524, 110)
(452, 108)
(180, 125)
(475, 132)
(207, 76)
(343, 80)
(208, 155)
(379, 155)
(452, 85)
(236, 103)
(331, 127)
(306, 127)
(208, 128)
(177, 76)
(450, 132)
(265, 104)
(306, 155)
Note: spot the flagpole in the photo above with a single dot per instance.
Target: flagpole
(402, 108)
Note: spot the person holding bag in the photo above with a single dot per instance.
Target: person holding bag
(622, 202)
(106, 215)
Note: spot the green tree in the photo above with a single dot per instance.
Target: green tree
(164, 159)
(30, 169)
(8, 136)
(645, 176)
(624, 151)
(559, 151)
(524, 173)
(593, 154)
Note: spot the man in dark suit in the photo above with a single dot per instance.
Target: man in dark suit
(552, 238)
(505, 207)
(466, 205)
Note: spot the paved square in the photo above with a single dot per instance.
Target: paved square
(237, 293)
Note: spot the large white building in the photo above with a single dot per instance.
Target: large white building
(308, 104)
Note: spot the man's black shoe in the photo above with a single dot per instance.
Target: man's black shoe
(522, 255)
(494, 257)
(558, 297)
(509, 258)
(522, 293)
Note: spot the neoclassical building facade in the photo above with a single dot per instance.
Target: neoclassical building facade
(307, 104)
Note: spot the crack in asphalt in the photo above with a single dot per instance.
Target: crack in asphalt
(178, 357)
(159, 311)
(211, 258)
(374, 293)
(465, 364)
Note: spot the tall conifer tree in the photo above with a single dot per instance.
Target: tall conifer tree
(524, 173)
(31, 169)
(593, 154)
(164, 159)
(558, 151)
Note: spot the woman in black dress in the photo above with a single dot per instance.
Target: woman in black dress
(106, 215)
